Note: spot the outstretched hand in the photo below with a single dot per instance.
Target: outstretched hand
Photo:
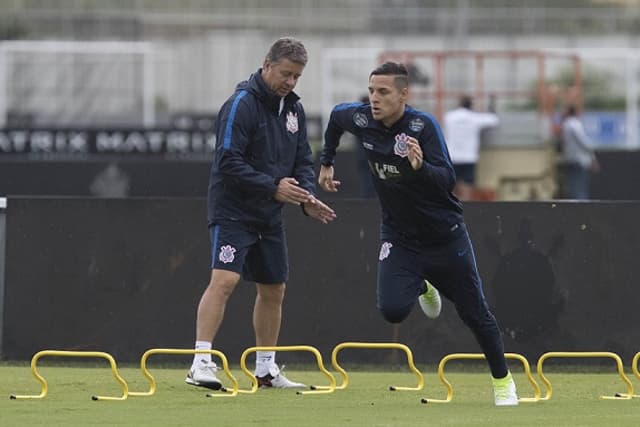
(318, 210)
(415, 153)
(289, 192)
(326, 181)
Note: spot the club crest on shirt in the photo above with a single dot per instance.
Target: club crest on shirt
(416, 125)
(385, 249)
(401, 148)
(227, 254)
(360, 120)
(292, 122)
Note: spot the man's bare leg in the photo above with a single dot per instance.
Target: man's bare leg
(210, 314)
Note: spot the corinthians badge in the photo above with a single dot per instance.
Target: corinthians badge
(401, 148)
(292, 122)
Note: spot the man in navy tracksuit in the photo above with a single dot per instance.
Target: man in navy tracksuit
(262, 161)
(423, 233)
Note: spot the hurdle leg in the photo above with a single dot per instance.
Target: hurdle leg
(634, 368)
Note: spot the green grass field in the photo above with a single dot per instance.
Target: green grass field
(366, 402)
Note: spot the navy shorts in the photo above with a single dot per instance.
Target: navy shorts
(450, 267)
(258, 255)
(465, 172)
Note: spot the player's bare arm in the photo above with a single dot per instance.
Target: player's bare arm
(326, 181)
(289, 192)
(414, 155)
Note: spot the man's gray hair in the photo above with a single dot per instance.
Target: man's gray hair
(287, 48)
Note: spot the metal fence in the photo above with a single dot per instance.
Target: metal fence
(83, 19)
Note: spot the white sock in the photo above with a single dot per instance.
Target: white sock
(264, 360)
(202, 345)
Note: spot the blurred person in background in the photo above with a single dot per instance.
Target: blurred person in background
(578, 159)
(262, 161)
(425, 244)
(111, 182)
(462, 128)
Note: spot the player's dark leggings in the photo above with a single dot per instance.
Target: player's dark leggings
(451, 268)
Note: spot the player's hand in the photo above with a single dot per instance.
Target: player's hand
(318, 210)
(415, 153)
(325, 179)
(289, 192)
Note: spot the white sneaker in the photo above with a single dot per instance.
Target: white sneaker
(274, 378)
(430, 301)
(504, 391)
(203, 374)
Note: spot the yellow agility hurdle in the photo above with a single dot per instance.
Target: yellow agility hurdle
(583, 354)
(372, 345)
(152, 381)
(634, 369)
(254, 382)
(63, 353)
(480, 356)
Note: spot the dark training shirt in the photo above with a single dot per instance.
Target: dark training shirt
(418, 204)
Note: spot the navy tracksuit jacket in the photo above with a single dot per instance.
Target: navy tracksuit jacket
(256, 146)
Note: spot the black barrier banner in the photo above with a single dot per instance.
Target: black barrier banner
(184, 140)
(127, 274)
(70, 144)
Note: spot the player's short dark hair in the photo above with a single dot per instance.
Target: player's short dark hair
(399, 71)
(466, 102)
(287, 48)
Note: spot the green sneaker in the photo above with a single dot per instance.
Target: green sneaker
(504, 391)
(430, 301)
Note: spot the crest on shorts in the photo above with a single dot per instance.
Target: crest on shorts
(416, 125)
(360, 120)
(227, 254)
(385, 250)
(292, 122)
(401, 148)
